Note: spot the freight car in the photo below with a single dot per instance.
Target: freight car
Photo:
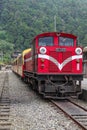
(53, 65)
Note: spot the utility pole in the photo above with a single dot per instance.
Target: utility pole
(55, 23)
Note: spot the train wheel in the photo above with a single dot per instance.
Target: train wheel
(39, 87)
(33, 84)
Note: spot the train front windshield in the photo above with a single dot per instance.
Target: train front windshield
(64, 41)
(46, 41)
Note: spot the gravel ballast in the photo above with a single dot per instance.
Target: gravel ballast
(29, 111)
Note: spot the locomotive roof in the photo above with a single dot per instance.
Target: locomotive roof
(56, 34)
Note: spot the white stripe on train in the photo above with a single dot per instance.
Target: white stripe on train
(60, 66)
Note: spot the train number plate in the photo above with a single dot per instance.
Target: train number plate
(60, 49)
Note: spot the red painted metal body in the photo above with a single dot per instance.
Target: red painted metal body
(57, 59)
(53, 65)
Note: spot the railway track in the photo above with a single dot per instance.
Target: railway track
(77, 113)
(5, 105)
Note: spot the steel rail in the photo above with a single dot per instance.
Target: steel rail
(77, 113)
(5, 124)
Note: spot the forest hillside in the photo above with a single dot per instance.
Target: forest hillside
(21, 20)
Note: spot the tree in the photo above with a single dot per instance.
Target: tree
(6, 50)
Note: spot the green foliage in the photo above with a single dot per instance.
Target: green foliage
(21, 20)
(6, 50)
(2, 34)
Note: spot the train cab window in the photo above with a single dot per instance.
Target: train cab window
(46, 41)
(64, 41)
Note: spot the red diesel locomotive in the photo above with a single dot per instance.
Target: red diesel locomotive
(54, 65)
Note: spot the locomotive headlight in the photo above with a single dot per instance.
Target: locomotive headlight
(78, 51)
(43, 50)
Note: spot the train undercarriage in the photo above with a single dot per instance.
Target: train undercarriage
(55, 86)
